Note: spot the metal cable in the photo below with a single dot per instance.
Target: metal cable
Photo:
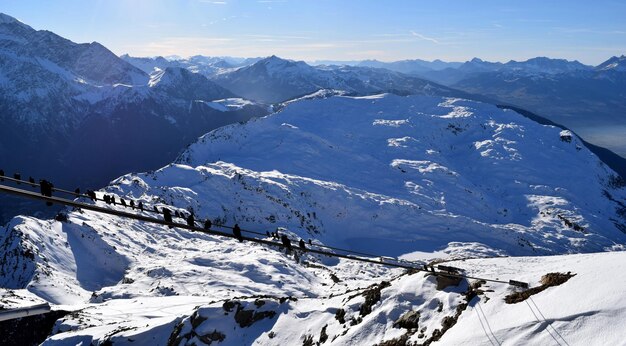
(149, 209)
(139, 217)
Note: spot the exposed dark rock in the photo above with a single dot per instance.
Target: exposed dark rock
(229, 305)
(213, 336)
(284, 299)
(444, 281)
(372, 296)
(246, 318)
(31, 330)
(548, 280)
(196, 320)
(323, 335)
(340, 316)
(400, 341)
(409, 320)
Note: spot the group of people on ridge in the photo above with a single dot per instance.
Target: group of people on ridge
(46, 189)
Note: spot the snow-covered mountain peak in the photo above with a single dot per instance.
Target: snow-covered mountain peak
(479, 65)
(6, 19)
(182, 83)
(544, 65)
(205, 65)
(615, 63)
(165, 76)
(173, 76)
(12, 29)
(274, 80)
(43, 50)
(533, 66)
(274, 64)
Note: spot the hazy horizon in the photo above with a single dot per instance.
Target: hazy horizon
(341, 31)
(309, 61)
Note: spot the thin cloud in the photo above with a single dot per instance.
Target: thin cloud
(391, 35)
(278, 37)
(213, 2)
(231, 46)
(589, 31)
(425, 38)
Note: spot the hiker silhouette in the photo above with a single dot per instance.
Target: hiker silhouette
(237, 232)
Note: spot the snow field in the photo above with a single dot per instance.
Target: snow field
(418, 177)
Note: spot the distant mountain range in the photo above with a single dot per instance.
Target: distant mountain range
(207, 66)
(531, 67)
(273, 79)
(589, 100)
(414, 66)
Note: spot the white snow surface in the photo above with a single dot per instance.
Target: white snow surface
(232, 103)
(414, 173)
(589, 309)
(419, 177)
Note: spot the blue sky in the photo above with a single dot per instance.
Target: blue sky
(589, 31)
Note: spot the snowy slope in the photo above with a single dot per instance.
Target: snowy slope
(586, 310)
(453, 164)
(589, 309)
(417, 176)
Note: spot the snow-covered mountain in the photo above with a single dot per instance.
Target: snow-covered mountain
(538, 66)
(543, 65)
(586, 99)
(43, 73)
(415, 66)
(420, 177)
(180, 83)
(205, 65)
(614, 63)
(149, 65)
(275, 80)
(77, 114)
